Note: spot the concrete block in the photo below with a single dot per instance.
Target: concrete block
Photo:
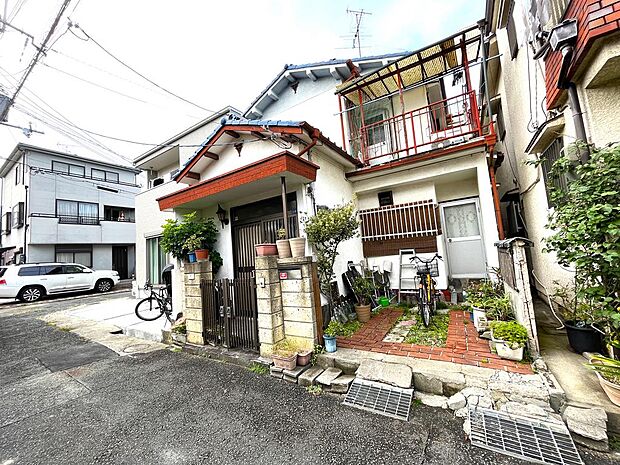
(325, 361)
(195, 338)
(308, 377)
(457, 401)
(431, 400)
(590, 423)
(295, 372)
(271, 336)
(297, 299)
(348, 367)
(295, 328)
(193, 291)
(328, 376)
(268, 321)
(428, 383)
(296, 285)
(341, 384)
(194, 326)
(389, 373)
(192, 313)
(270, 291)
(193, 302)
(265, 263)
(299, 314)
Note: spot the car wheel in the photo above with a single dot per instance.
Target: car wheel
(104, 285)
(31, 294)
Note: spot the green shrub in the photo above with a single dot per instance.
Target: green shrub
(347, 329)
(364, 289)
(510, 331)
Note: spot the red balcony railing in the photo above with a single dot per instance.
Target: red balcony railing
(441, 123)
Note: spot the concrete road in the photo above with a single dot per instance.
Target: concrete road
(68, 400)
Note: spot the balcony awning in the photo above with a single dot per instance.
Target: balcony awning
(246, 181)
(417, 67)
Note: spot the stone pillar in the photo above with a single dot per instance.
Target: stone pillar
(525, 310)
(193, 273)
(298, 301)
(269, 303)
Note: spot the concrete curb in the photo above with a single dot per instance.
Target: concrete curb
(18, 304)
(242, 359)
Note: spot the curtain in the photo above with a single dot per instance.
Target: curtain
(462, 220)
(66, 208)
(64, 257)
(89, 210)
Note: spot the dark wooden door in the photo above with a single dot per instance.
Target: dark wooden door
(119, 260)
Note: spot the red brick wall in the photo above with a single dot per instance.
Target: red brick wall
(595, 18)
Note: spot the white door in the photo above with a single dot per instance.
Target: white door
(463, 235)
(77, 278)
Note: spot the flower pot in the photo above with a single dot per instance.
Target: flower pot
(303, 357)
(202, 254)
(612, 390)
(284, 248)
(191, 257)
(480, 325)
(583, 339)
(298, 246)
(286, 362)
(506, 352)
(330, 343)
(363, 313)
(263, 250)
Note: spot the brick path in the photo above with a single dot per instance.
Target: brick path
(462, 346)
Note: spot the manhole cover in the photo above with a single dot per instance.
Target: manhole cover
(521, 437)
(380, 398)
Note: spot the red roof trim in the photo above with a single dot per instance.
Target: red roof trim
(275, 164)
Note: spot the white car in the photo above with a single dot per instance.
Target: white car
(31, 282)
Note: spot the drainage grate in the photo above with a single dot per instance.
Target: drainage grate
(380, 398)
(521, 437)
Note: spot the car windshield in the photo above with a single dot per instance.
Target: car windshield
(2, 271)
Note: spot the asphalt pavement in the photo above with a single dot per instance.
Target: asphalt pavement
(68, 400)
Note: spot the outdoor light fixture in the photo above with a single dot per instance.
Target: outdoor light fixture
(221, 215)
(563, 34)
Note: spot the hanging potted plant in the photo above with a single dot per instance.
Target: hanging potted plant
(509, 338)
(284, 355)
(363, 289)
(608, 373)
(329, 336)
(282, 244)
(298, 246)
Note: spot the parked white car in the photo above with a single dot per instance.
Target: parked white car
(31, 282)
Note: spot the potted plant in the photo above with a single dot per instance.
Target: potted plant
(184, 238)
(510, 338)
(179, 333)
(363, 290)
(303, 357)
(266, 249)
(282, 244)
(298, 246)
(608, 373)
(193, 243)
(284, 355)
(329, 336)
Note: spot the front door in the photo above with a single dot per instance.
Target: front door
(463, 236)
(119, 260)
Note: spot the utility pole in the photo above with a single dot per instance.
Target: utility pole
(357, 38)
(33, 62)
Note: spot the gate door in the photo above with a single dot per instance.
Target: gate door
(229, 313)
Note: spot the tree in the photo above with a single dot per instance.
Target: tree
(586, 225)
(326, 231)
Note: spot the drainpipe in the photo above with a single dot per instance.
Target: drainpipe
(315, 137)
(580, 128)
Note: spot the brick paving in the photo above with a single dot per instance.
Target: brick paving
(462, 346)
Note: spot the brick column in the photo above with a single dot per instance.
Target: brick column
(193, 273)
(269, 302)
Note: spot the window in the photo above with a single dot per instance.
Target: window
(512, 32)
(82, 254)
(118, 214)
(74, 212)
(385, 198)
(103, 175)
(155, 260)
(28, 271)
(76, 170)
(376, 133)
(7, 223)
(110, 176)
(73, 269)
(18, 215)
(97, 174)
(51, 269)
(68, 168)
(17, 174)
(549, 157)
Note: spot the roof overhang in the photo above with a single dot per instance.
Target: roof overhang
(546, 134)
(253, 179)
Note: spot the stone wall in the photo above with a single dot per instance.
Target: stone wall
(193, 273)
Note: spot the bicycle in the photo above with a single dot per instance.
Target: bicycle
(155, 305)
(427, 269)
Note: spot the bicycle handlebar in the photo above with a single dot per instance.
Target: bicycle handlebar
(424, 260)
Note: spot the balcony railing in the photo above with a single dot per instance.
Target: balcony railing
(446, 122)
(84, 220)
(400, 221)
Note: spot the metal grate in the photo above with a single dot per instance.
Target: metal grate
(380, 398)
(521, 437)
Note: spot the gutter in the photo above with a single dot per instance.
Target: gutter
(315, 138)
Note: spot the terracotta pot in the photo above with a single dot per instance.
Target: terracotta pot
(303, 357)
(298, 246)
(284, 248)
(202, 254)
(612, 390)
(263, 250)
(286, 362)
(363, 313)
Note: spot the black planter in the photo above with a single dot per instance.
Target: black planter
(583, 339)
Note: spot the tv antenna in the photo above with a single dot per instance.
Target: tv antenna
(357, 37)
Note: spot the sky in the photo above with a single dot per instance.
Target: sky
(210, 53)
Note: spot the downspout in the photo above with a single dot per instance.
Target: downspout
(494, 193)
(573, 101)
(344, 139)
(315, 137)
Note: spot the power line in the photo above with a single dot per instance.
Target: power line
(138, 73)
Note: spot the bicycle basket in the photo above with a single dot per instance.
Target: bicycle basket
(431, 268)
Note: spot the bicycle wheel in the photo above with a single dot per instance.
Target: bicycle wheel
(425, 308)
(149, 309)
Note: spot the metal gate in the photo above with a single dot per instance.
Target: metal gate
(229, 313)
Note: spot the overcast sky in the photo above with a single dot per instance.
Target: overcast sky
(210, 53)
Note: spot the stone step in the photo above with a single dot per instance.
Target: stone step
(341, 384)
(328, 376)
(292, 375)
(276, 372)
(389, 373)
(309, 377)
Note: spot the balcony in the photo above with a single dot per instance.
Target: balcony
(443, 123)
(63, 229)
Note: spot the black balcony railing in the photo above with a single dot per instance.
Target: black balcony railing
(80, 219)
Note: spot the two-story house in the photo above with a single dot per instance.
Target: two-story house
(62, 207)
(401, 135)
